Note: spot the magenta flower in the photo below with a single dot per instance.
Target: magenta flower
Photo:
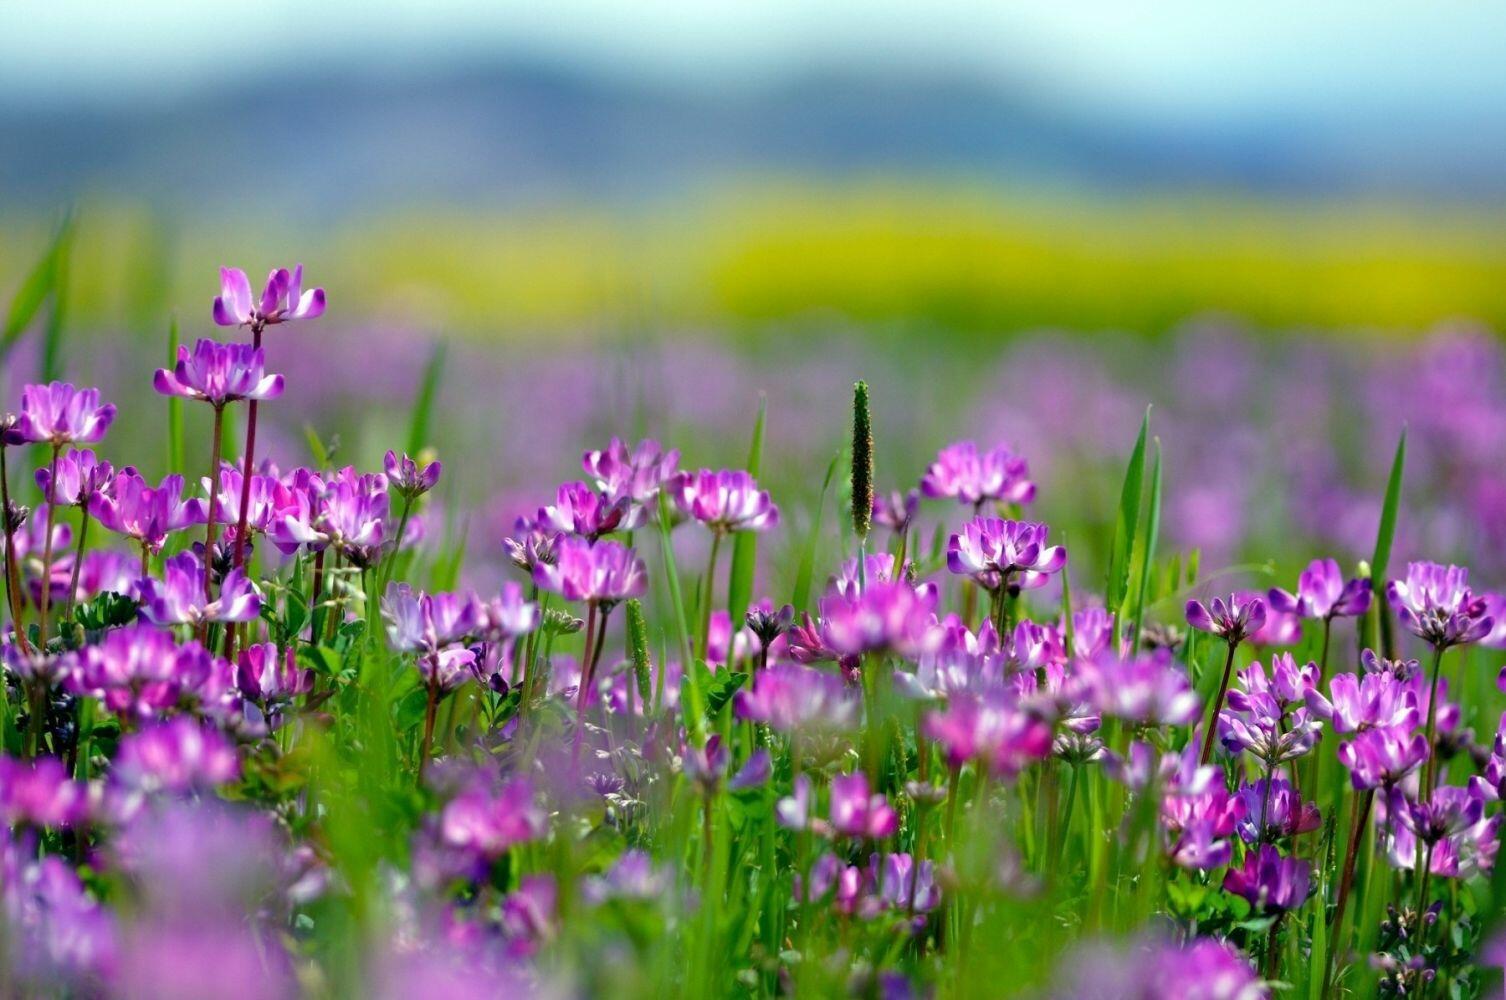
(636, 476)
(791, 699)
(266, 677)
(132, 508)
(1010, 553)
(961, 473)
(509, 614)
(1272, 883)
(488, 823)
(1366, 702)
(283, 299)
(578, 509)
(1233, 621)
(1435, 604)
(40, 793)
(1323, 593)
(1262, 729)
(1149, 689)
(1199, 826)
(992, 730)
(605, 572)
(1448, 811)
(1381, 757)
(724, 501)
(133, 670)
(856, 813)
(531, 543)
(896, 510)
(433, 625)
(219, 374)
(1274, 813)
(407, 478)
(348, 512)
(888, 616)
(58, 414)
(179, 756)
(80, 475)
(178, 598)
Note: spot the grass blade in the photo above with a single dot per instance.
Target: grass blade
(40, 283)
(801, 600)
(175, 459)
(423, 405)
(1148, 549)
(1383, 539)
(693, 701)
(745, 543)
(1126, 523)
(52, 333)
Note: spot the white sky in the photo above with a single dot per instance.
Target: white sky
(1162, 58)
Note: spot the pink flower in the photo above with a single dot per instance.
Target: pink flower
(856, 813)
(961, 473)
(283, 299)
(58, 414)
(606, 571)
(178, 598)
(219, 374)
(724, 501)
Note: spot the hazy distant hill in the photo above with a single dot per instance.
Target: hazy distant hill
(523, 131)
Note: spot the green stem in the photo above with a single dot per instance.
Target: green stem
(78, 563)
(705, 639)
(1218, 704)
(12, 577)
(1430, 772)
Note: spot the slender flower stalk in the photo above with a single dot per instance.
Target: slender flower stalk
(9, 435)
(862, 472)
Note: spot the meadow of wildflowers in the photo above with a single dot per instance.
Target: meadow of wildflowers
(1137, 704)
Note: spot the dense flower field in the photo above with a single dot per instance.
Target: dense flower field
(273, 731)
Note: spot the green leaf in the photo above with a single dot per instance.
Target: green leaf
(317, 447)
(1383, 539)
(175, 449)
(1126, 523)
(808, 556)
(423, 405)
(1387, 532)
(39, 284)
(1148, 553)
(745, 543)
(52, 333)
(693, 701)
(721, 689)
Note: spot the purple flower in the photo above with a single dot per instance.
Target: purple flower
(1277, 812)
(1264, 730)
(533, 543)
(40, 793)
(179, 756)
(132, 508)
(433, 625)
(896, 510)
(80, 476)
(637, 476)
(755, 772)
(1202, 969)
(1366, 702)
(58, 414)
(962, 474)
(1233, 621)
(605, 572)
(1269, 881)
(706, 766)
(1150, 689)
(1435, 604)
(1199, 826)
(1323, 593)
(266, 677)
(488, 823)
(1287, 684)
(219, 374)
(724, 501)
(1404, 670)
(766, 624)
(900, 886)
(1012, 553)
(1448, 811)
(791, 698)
(178, 598)
(1382, 756)
(509, 614)
(348, 511)
(857, 813)
(406, 477)
(283, 299)
(578, 509)
(633, 876)
(992, 730)
(888, 616)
